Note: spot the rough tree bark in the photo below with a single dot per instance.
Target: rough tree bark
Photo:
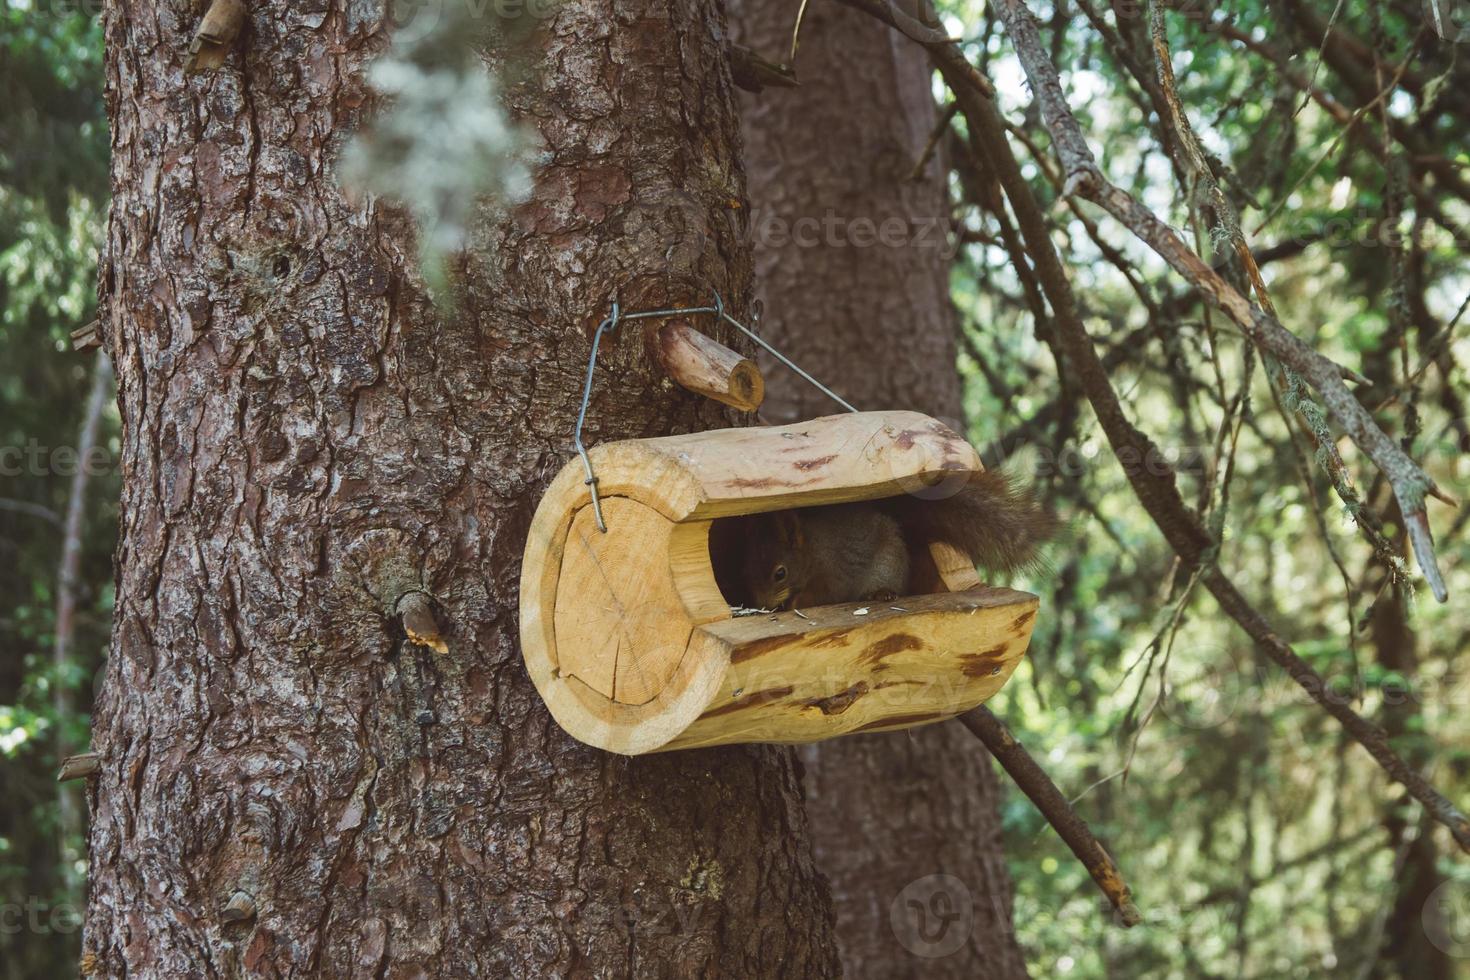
(289, 787)
(875, 322)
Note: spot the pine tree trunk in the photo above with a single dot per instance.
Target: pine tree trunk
(875, 322)
(289, 787)
(1414, 937)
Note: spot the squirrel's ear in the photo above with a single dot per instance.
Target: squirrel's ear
(788, 528)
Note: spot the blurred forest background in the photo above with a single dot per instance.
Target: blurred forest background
(1259, 841)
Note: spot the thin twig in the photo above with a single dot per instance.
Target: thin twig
(32, 510)
(941, 126)
(1346, 128)
(796, 34)
(1321, 49)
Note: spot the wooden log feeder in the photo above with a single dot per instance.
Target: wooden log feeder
(635, 648)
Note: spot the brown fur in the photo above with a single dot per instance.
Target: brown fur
(993, 518)
(850, 552)
(839, 553)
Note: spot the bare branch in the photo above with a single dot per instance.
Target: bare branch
(1040, 789)
(1086, 179)
(31, 510)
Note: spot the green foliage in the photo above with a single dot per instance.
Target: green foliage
(1258, 841)
(443, 145)
(53, 182)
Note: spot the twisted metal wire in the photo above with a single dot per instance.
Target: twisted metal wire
(611, 323)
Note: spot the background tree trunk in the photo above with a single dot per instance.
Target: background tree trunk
(1407, 948)
(874, 322)
(307, 438)
(68, 589)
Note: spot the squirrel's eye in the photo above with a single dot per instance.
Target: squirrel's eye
(779, 574)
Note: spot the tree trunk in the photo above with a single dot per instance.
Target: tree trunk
(874, 322)
(1410, 946)
(289, 787)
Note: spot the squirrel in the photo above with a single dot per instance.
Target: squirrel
(849, 552)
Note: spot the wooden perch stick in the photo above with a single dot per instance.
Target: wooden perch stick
(1039, 788)
(707, 367)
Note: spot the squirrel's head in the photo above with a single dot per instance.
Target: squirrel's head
(773, 569)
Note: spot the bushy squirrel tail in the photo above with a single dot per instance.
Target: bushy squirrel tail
(993, 518)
